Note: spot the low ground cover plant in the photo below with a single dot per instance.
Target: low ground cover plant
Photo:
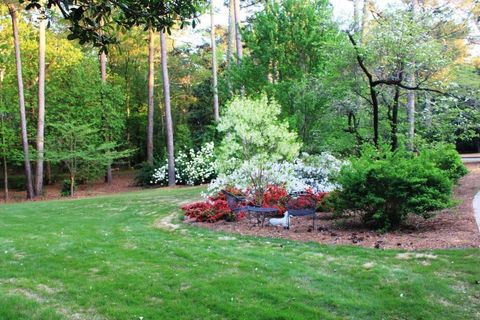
(384, 187)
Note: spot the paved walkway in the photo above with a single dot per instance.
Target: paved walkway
(476, 208)
(471, 157)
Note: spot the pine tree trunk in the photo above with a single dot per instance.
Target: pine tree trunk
(103, 74)
(216, 112)
(21, 103)
(411, 97)
(238, 38)
(41, 105)
(151, 83)
(231, 31)
(238, 35)
(168, 111)
(366, 5)
(356, 18)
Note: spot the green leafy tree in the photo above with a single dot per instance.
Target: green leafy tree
(79, 147)
(252, 130)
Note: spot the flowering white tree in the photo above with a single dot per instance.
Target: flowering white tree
(253, 131)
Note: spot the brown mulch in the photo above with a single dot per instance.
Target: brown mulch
(123, 181)
(451, 228)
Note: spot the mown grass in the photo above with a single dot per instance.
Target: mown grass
(103, 258)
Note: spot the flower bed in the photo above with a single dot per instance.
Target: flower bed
(215, 208)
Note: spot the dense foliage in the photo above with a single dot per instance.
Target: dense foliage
(305, 83)
(385, 186)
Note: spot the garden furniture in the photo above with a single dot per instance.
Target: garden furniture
(301, 204)
(238, 204)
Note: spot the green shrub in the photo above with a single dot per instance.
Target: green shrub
(144, 174)
(446, 158)
(385, 187)
(66, 191)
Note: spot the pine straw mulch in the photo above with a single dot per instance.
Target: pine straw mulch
(451, 228)
(123, 181)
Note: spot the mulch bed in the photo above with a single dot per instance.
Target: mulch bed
(123, 181)
(451, 228)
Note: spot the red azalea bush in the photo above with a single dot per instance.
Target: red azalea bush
(275, 197)
(216, 207)
(213, 210)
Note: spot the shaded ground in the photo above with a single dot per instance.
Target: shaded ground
(451, 228)
(123, 181)
(128, 256)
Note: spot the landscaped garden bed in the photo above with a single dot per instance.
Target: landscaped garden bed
(451, 228)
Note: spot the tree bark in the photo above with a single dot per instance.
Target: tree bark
(41, 104)
(372, 84)
(151, 92)
(366, 5)
(216, 112)
(21, 102)
(411, 96)
(231, 31)
(168, 110)
(394, 119)
(356, 18)
(72, 186)
(103, 75)
(238, 35)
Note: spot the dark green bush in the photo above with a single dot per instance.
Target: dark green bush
(144, 174)
(66, 191)
(385, 187)
(446, 158)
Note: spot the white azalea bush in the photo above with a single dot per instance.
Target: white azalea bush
(313, 173)
(191, 167)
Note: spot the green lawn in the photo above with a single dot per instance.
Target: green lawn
(103, 258)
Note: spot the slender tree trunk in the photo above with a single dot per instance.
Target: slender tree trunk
(356, 18)
(216, 112)
(21, 102)
(151, 84)
(103, 67)
(238, 35)
(41, 104)
(72, 185)
(5, 177)
(238, 38)
(411, 96)
(103, 74)
(231, 31)
(168, 110)
(394, 119)
(230, 41)
(374, 97)
(366, 5)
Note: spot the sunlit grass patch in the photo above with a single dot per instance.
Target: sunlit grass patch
(104, 258)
